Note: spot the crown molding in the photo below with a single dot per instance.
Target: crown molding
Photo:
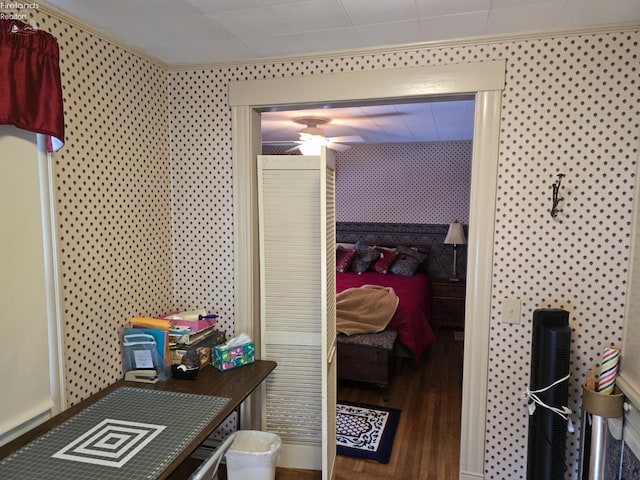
(71, 20)
(400, 48)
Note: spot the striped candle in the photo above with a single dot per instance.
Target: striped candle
(608, 370)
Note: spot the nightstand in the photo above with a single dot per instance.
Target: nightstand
(447, 303)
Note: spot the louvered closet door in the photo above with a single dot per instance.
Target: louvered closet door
(297, 295)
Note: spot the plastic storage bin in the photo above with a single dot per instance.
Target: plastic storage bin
(140, 352)
(253, 456)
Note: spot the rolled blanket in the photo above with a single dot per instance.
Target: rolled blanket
(367, 309)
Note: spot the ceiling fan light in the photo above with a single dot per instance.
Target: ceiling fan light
(320, 140)
(311, 144)
(305, 137)
(310, 148)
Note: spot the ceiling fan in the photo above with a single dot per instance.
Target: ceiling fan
(312, 137)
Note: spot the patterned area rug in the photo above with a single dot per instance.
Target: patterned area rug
(366, 431)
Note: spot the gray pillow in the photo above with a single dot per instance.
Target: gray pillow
(365, 256)
(407, 262)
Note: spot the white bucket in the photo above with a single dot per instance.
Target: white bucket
(253, 456)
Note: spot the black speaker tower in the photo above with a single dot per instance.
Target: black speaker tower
(550, 348)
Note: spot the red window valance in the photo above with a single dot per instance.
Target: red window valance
(30, 85)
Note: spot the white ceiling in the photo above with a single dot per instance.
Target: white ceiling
(411, 122)
(205, 31)
(210, 31)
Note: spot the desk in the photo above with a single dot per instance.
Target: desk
(236, 385)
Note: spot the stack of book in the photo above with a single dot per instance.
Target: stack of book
(192, 336)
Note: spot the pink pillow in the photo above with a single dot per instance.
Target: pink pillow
(383, 264)
(343, 259)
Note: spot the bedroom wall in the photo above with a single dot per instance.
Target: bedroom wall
(570, 105)
(427, 183)
(112, 189)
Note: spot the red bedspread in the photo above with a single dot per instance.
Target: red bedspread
(412, 317)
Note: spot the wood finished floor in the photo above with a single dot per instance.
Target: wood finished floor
(427, 443)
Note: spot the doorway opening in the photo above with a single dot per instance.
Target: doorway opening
(483, 80)
(397, 165)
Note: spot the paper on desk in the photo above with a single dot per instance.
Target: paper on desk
(143, 359)
(179, 329)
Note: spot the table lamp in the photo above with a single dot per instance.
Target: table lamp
(455, 236)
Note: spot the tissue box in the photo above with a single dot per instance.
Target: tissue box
(226, 358)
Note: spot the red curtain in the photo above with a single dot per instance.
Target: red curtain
(30, 85)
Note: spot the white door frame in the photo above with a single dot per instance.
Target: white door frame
(484, 80)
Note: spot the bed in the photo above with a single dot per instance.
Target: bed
(368, 357)
(412, 316)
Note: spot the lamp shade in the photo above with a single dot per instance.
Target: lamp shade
(455, 235)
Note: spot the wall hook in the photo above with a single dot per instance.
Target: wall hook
(556, 199)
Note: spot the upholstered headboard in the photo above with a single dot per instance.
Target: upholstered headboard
(429, 238)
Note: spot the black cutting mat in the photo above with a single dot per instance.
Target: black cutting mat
(131, 434)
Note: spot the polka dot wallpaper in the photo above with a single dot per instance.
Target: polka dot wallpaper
(202, 201)
(427, 183)
(112, 188)
(404, 183)
(143, 192)
(570, 106)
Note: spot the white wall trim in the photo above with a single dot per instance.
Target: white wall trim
(412, 82)
(246, 147)
(484, 173)
(488, 78)
(304, 457)
(52, 280)
(628, 379)
(245, 211)
(469, 476)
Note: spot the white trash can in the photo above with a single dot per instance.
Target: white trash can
(253, 455)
